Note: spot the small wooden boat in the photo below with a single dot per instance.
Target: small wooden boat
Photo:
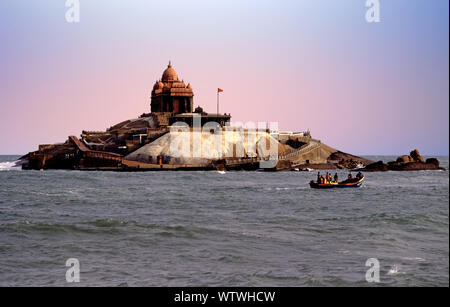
(349, 183)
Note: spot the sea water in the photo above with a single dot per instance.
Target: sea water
(209, 228)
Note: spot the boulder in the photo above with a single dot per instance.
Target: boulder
(415, 155)
(433, 161)
(405, 159)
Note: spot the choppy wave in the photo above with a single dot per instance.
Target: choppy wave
(7, 166)
(238, 229)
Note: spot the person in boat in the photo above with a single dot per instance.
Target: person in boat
(335, 177)
(319, 178)
(359, 175)
(350, 177)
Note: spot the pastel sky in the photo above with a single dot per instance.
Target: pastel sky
(364, 88)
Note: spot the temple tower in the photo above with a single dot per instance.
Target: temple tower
(171, 95)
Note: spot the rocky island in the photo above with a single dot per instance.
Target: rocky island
(412, 162)
(175, 136)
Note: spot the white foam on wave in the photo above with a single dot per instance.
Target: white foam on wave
(282, 189)
(394, 270)
(414, 259)
(6, 166)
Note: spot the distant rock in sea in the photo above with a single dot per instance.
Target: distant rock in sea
(412, 162)
(376, 167)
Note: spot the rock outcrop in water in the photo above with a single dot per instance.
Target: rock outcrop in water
(415, 155)
(138, 145)
(376, 167)
(412, 162)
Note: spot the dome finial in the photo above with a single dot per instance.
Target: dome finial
(169, 74)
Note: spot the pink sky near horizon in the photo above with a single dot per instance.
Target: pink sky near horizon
(361, 88)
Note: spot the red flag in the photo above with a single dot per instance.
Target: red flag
(219, 90)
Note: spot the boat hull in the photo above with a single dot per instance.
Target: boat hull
(342, 184)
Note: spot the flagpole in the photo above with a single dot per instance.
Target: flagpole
(217, 101)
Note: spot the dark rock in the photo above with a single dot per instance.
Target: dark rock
(415, 155)
(347, 160)
(433, 161)
(413, 162)
(405, 159)
(412, 166)
(376, 167)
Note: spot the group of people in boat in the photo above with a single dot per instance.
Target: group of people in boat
(335, 179)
